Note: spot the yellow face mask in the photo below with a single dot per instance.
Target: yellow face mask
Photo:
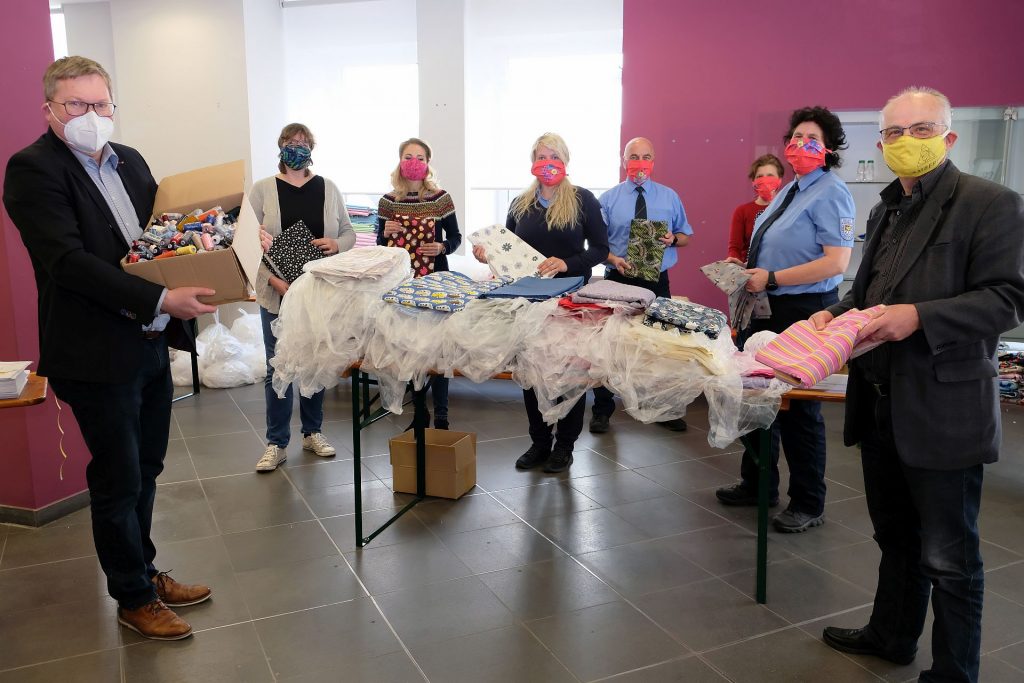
(910, 157)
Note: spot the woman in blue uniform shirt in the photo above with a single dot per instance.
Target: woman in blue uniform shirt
(798, 253)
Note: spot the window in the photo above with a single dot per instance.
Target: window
(60, 34)
(351, 76)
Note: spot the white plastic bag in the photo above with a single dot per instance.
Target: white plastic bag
(222, 363)
(248, 328)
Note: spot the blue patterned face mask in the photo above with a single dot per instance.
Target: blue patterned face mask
(296, 157)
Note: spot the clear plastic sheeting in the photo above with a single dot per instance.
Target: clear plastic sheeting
(332, 318)
(328, 314)
(484, 338)
(404, 345)
(557, 363)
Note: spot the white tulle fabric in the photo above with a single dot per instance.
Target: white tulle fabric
(333, 316)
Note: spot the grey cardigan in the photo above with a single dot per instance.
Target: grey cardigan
(337, 226)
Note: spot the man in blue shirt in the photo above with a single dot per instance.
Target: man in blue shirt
(639, 197)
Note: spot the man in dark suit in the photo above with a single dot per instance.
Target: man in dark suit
(78, 201)
(945, 255)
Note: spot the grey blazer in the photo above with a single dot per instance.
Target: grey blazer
(964, 270)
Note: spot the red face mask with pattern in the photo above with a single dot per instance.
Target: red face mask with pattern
(766, 186)
(548, 171)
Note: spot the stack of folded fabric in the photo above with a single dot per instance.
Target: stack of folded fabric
(508, 256)
(803, 356)
(685, 316)
(446, 291)
(615, 295)
(743, 305)
(536, 288)
(362, 263)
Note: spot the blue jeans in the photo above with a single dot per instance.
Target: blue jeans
(926, 525)
(801, 429)
(279, 410)
(125, 427)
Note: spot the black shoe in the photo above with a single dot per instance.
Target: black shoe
(598, 424)
(857, 641)
(738, 494)
(441, 424)
(676, 425)
(560, 460)
(533, 457)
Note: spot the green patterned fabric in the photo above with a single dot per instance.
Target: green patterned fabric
(645, 252)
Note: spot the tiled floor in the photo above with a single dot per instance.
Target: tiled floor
(623, 569)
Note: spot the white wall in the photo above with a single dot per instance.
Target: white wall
(264, 66)
(441, 38)
(90, 34)
(181, 81)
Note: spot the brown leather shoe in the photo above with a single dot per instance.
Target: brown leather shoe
(154, 620)
(176, 594)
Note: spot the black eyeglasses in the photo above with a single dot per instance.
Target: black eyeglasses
(77, 108)
(924, 129)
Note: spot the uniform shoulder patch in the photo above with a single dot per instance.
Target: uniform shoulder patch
(846, 229)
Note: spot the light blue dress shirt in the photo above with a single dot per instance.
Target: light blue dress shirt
(821, 215)
(108, 182)
(619, 207)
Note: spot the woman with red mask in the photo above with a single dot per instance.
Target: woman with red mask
(798, 253)
(416, 195)
(766, 176)
(563, 222)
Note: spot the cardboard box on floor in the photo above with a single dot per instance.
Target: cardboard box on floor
(451, 462)
(227, 271)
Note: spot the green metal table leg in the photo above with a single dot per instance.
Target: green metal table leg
(763, 440)
(363, 417)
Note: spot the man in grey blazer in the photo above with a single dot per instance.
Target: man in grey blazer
(945, 255)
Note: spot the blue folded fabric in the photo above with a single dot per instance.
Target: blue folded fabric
(536, 288)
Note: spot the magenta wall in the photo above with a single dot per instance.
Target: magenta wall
(712, 84)
(29, 440)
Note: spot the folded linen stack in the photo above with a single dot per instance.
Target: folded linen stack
(362, 263)
(446, 291)
(536, 288)
(615, 295)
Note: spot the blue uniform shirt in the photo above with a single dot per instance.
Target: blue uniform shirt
(618, 205)
(821, 215)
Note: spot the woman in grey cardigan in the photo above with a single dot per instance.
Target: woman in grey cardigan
(280, 201)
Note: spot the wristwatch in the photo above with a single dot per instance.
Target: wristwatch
(772, 284)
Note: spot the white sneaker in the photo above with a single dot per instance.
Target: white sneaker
(272, 457)
(316, 443)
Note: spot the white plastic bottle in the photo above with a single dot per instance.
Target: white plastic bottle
(861, 170)
(869, 172)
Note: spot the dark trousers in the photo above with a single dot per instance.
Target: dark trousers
(438, 386)
(567, 430)
(801, 429)
(125, 427)
(926, 525)
(279, 410)
(604, 400)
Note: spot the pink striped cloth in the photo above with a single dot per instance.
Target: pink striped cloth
(803, 356)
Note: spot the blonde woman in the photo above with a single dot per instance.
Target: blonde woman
(294, 194)
(564, 223)
(416, 194)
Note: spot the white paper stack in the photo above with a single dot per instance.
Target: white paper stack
(13, 377)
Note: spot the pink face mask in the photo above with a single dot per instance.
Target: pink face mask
(805, 156)
(413, 169)
(549, 171)
(766, 187)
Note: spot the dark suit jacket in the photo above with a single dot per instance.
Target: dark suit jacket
(964, 270)
(90, 311)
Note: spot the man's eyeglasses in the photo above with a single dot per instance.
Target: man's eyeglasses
(77, 108)
(924, 129)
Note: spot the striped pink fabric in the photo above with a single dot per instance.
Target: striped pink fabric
(803, 356)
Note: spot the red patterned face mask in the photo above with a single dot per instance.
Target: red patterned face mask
(805, 155)
(639, 170)
(766, 186)
(549, 171)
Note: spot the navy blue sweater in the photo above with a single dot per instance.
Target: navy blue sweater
(567, 243)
